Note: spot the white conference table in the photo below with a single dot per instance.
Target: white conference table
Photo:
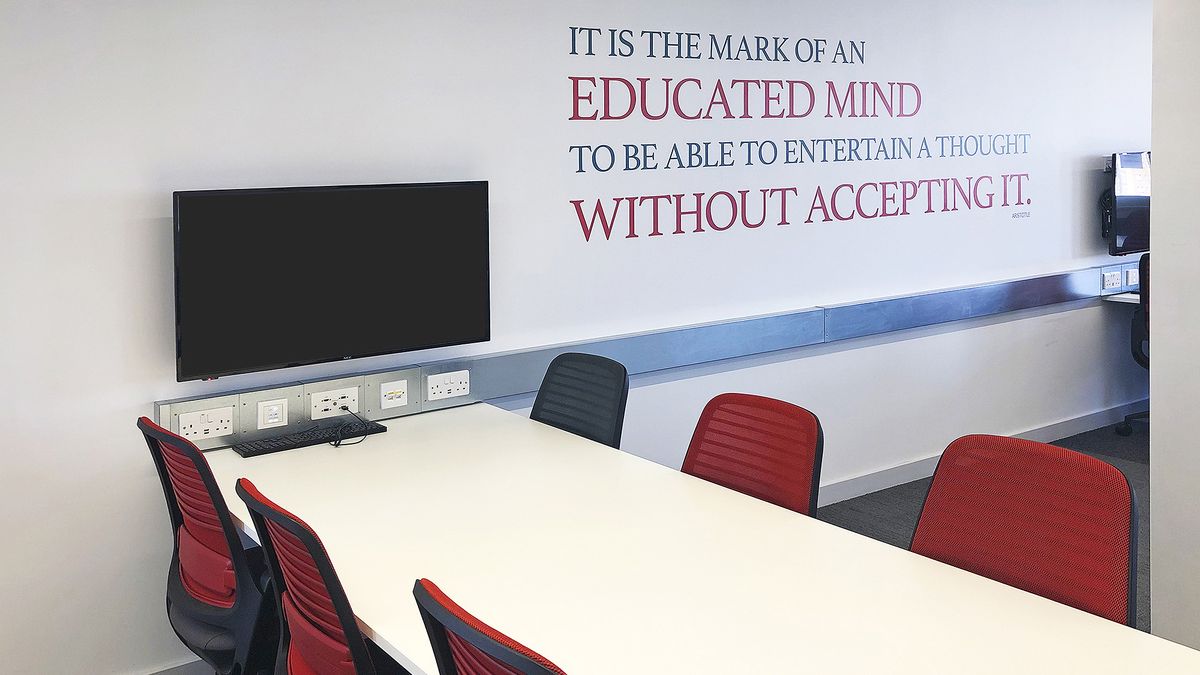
(610, 564)
(1126, 298)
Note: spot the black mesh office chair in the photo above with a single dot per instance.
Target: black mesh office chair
(585, 395)
(1139, 337)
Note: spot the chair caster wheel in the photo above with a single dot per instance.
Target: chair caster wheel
(1124, 429)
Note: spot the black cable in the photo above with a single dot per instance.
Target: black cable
(338, 442)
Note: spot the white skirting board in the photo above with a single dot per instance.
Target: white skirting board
(923, 468)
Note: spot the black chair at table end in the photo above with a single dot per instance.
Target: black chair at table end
(1139, 337)
(584, 394)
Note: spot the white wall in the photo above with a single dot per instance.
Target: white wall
(894, 400)
(1175, 327)
(108, 107)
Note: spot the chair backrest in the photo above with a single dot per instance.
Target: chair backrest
(208, 548)
(1139, 323)
(584, 394)
(1045, 519)
(464, 645)
(318, 633)
(759, 446)
(1144, 288)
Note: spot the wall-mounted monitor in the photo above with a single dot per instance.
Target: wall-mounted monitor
(1126, 205)
(279, 277)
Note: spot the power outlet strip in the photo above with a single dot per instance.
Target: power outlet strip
(211, 423)
(329, 403)
(448, 385)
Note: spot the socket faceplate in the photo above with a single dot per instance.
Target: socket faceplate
(448, 385)
(211, 423)
(329, 403)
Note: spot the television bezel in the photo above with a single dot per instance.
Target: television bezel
(1113, 250)
(180, 376)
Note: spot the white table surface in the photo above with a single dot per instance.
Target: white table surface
(1127, 298)
(610, 564)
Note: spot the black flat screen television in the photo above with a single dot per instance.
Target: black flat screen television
(1128, 218)
(279, 277)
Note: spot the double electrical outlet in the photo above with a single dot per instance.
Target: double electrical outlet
(211, 423)
(1120, 278)
(447, 385)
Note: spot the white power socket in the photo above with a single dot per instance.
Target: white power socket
(329, 403)
(393, 394)
(448, 385)
(211, 423)
(1131, 277)
(1112, 280)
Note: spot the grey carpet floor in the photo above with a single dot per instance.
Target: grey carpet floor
(891, 515)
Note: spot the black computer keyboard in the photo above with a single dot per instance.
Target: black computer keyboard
(329, 433)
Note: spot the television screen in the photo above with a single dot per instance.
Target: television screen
(271, 278)
(1129, 231)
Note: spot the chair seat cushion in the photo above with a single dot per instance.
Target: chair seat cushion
(212, 643)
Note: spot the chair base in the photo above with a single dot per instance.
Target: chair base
(1125, 428)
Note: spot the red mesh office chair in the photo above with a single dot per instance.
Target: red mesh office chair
(759, 446)
(1045, 519)
(464, 645)
(217, 602)
(318, 633)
